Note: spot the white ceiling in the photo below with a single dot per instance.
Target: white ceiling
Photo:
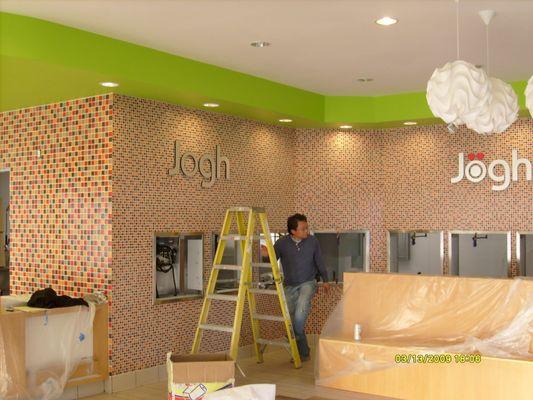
(319, 45)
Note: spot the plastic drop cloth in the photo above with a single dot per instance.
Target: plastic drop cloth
(247, 392)
(62, 332)
(420, 315)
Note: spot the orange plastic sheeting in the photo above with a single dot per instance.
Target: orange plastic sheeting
(491, 378)
(426, 315)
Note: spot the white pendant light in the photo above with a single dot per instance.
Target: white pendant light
(461, 93)
(529, 96)
(500, 113)
(502, 110)
(458, 92)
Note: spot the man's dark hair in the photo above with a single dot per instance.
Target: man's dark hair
(292, 221)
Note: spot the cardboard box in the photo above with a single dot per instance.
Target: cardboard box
(191, 377)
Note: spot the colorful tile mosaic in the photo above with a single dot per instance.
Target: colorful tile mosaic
(399, 179)
(59, 158)
(147, 200)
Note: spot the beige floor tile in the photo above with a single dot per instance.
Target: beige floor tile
(290, 382)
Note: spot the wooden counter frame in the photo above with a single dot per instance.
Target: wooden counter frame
(492, 379)
(14, 331)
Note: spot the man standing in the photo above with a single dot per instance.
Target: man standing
(301, 260)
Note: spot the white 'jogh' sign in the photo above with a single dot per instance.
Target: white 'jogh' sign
(476, 170)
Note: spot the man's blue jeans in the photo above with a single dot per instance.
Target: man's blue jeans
(299, 300)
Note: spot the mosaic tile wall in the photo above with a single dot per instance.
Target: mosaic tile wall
(399, 179)
(147, 200)
(344, 180)
(59, 157)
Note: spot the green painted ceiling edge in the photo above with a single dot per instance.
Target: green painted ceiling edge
(43, 62)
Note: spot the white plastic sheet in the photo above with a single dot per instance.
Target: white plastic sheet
(67, 331)
(248, 392)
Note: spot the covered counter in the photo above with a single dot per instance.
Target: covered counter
(434, 337)
(44, 351)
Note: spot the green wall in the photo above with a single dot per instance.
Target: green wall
(43, 62)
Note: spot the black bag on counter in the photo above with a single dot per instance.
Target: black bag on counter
(48, 298)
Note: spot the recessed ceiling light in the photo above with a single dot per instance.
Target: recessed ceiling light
(365, 80)
(345, 127)
(410, 123)
(386, 21)
(109, 84)
(285, 120)
(260, 43)
(211, 105)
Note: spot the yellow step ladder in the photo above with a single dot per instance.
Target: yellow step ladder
(246, 220)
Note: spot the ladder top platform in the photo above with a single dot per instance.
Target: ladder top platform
(247, 209)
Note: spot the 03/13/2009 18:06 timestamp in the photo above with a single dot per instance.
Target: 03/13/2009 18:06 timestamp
(437, 358)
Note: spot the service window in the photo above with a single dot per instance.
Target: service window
(178, 266)
(228, 280)
(264, 274)
(480, 253)
(415, 252)
(524, 252)
(344, 252)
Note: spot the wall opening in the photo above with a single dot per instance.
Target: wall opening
(178, 266)
(415, 252)
(524, 252)
(346, 251)
(485, 254)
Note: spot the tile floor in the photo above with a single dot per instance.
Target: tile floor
(290, 382)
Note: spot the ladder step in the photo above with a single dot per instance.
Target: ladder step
(224, 297)
(240, 209)
(262, 265)
(227, 290)
(219, 328)
(240, 237)
(227, 280)
(247, 209)
(269, 317)
(264, 291)
(282, 343)
(228, 267)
